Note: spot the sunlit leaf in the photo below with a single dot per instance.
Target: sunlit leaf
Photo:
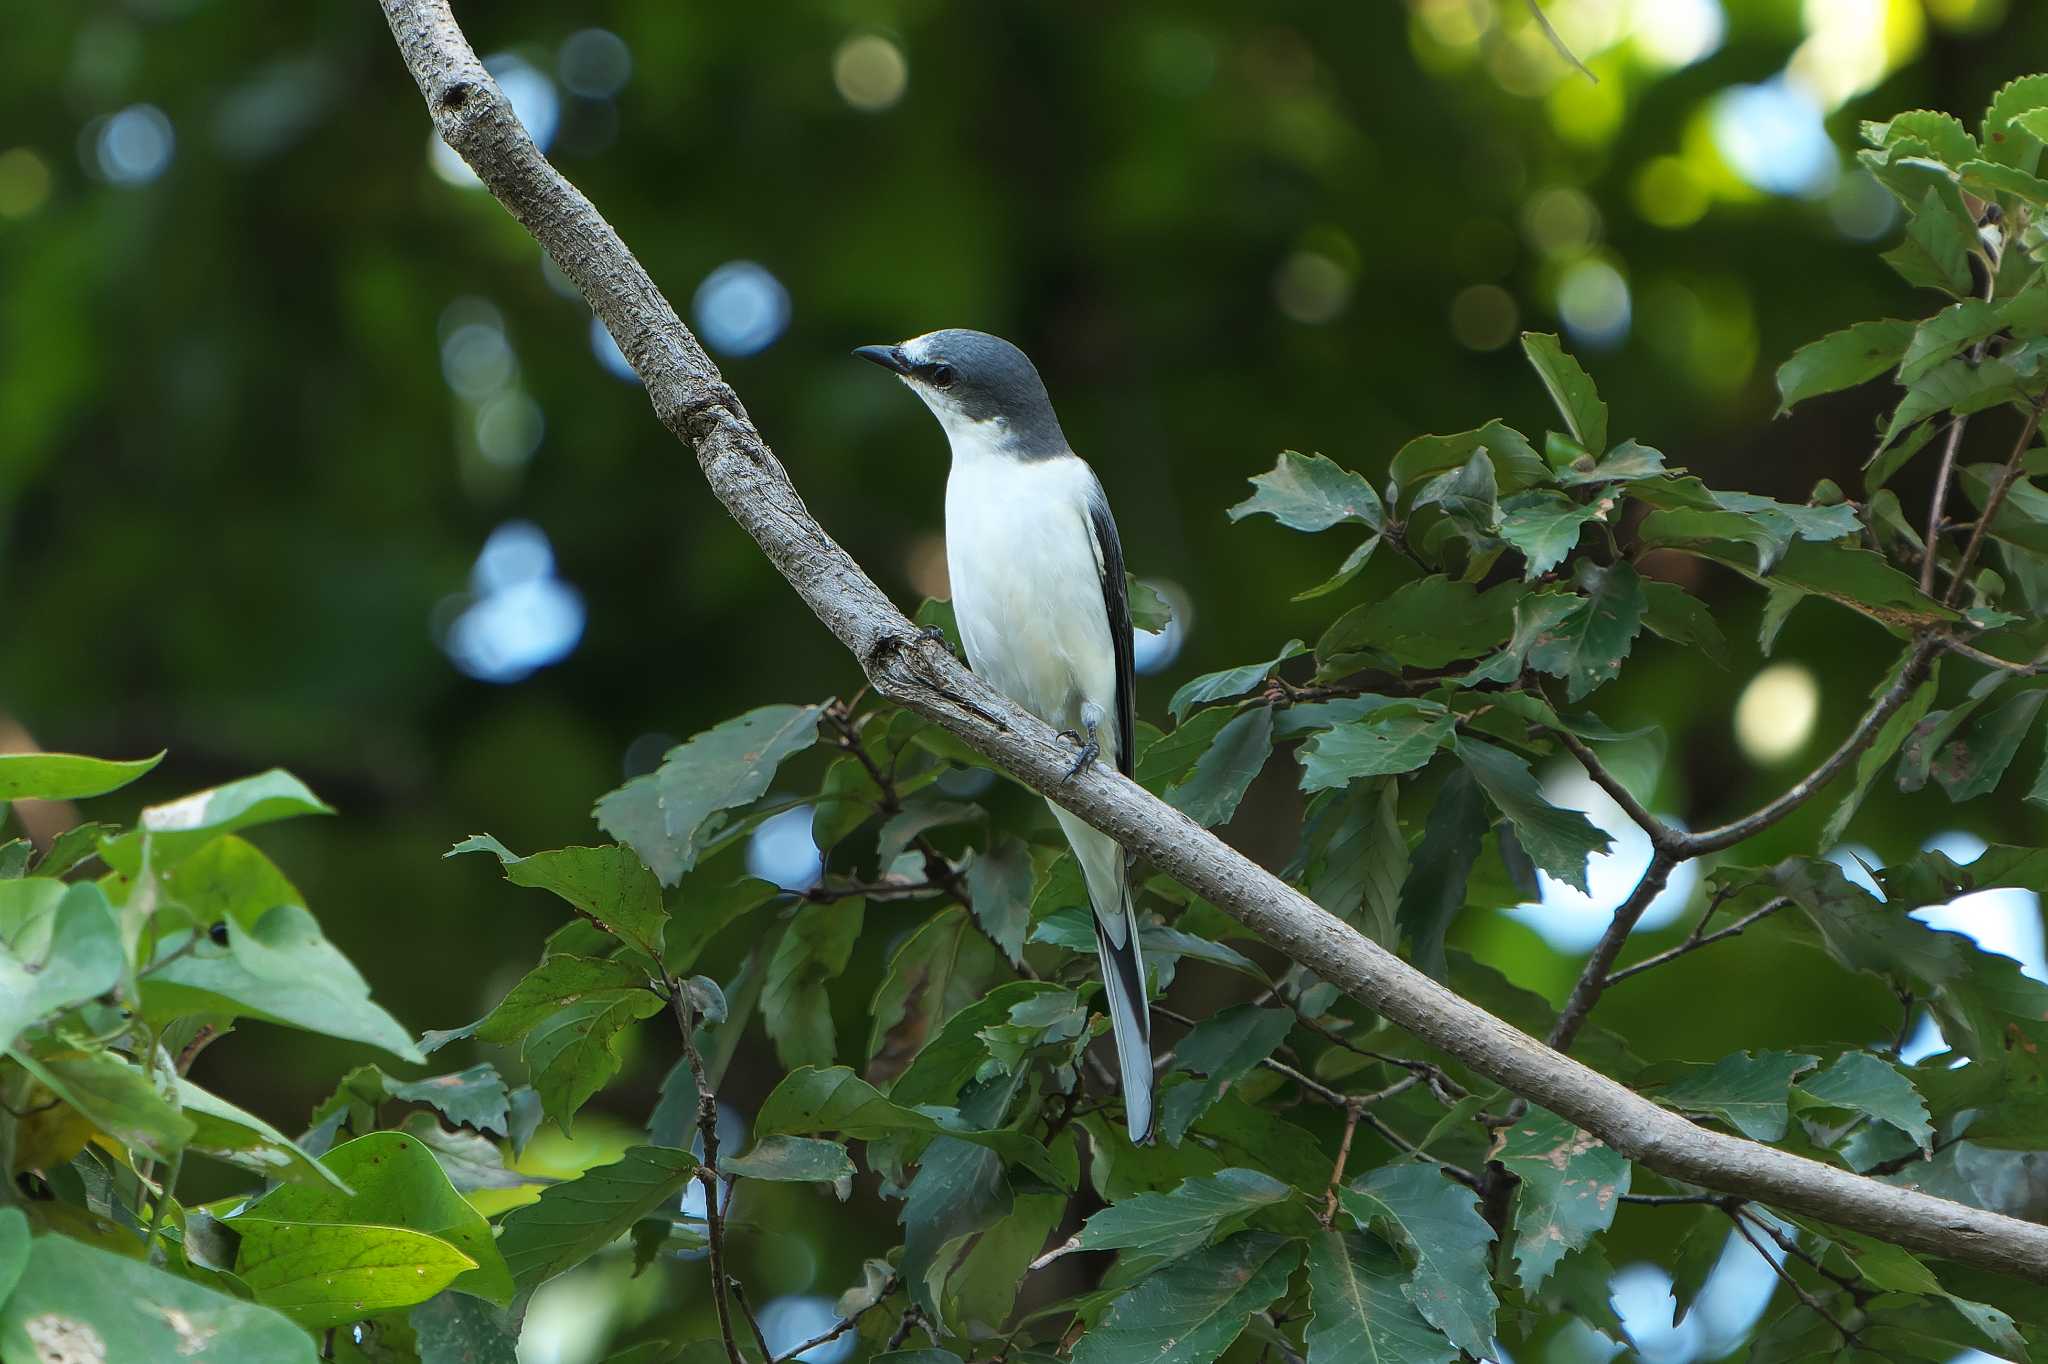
(66, 776)
(606, 884)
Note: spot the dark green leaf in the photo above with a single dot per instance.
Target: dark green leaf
(1972, 765)
(1746, 1092)
(1434, 890)
(1467, 494)
(836, 1100)
(454, 1328)
(1683, 619)
(1862, 1083)
(1841, 360)
(1170, 757)
(999, 889)
(568, 1013)
(1570, 388)
(1437, 1224)
(795, 1005)
(1955, 386)
(1311, 493)
(957, 1050)
(1559, 841)
(1587, 647)
(1354, 857)
(1946, 335)
(1229, 683)
(472, 1098)
(226, 1133)
(1625, 463)
(608, 885)
(792, 1159)
(65, 776)
(1935, 253)
(1353, 563)
(1210, 794)
(1571, 1186)
(576, 1219)
(1190, 1311)
(664, 815)
(1355, 1288)
(1516, 465)
(1544, 526)
(1882, 750)
(1170, 1225)
(1538, 618)
(116, 1097)
(1396, 738)
(1427, 623)
(1221, 1050)
(472, 1162)
(942, 967)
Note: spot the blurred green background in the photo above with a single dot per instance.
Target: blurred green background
(307, 459)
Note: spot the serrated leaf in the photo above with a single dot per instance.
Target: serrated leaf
(795, 1005)
(397, 1183)
(73, 1297)
(66, 776)
(1571, 1186)
(1867, 1084)
(1544, 527)
(1190, 1311)
(1972, 765)
(1943, 133)
(1170, 1225)
(1557, 840)
(1945, 335)
(2009, 135)
(1953, 386)
(607, 885)
(666, 815)
(1587, 647)
(1516, 465)
(1434, 890)
(1311, 493)
(574, 1220)
(1437, 1223)
(999, 892)
(1210, 794)
(1746, 1092)
(810, 1101)
(1571, 388)
(1397, 738)
(1150, 611)
(1669, 611)
(567, 1014)
(1427, 623)
(1354, 857)
(957, 1050)
(1842, 360)
(1935, 253)
(1355, 1289)
(1229, 682)
(1220, 1050)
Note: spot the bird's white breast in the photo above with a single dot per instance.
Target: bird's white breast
(1027, 585)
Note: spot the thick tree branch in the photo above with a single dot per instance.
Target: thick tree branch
(691, 399)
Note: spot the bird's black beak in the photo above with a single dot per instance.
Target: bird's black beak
(888, 357)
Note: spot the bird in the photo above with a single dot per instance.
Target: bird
(1038, 593)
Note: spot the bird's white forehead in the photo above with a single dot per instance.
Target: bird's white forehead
(918, 348)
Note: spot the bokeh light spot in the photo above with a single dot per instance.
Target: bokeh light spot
(740, 308)
(1593, 301)
(1560, 221)
(782, 851)
(790, 1321)
(1483, 317)
(1772, 136)
(476, 359)
(1150, 652)
(24, 182)
(1668, 194)
(609, 356)
(870, 72)
(134, 146)
(1861, 209)
(520, 617)
(1572, 920)
(1675, 33)
(509, 427)
(594, 63)
(1775, 715)
(1311, 288)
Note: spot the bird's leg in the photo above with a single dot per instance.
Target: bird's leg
(1090, 750)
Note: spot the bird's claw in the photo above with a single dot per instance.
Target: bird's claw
(1090, 751)
(933, 633)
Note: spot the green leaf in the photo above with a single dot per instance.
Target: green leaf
(1354, 857)
(1467, 494)
(398, 1184)
(185, 825)
(983, 1287)
(1559, 841)
(73, 848)
(1544, 526)
(1935, 253)
(1842, 360)
(1434, 891)
(1882, 750)
(1427, 623)
(1438, 1225)
(1150, 612)
(1537, 620)
(2008, 137)
(1862, 1083)
(475, 1097)
(77, 955)
(667, 815)
(322, 1274)
(1954, 386)
(957, 1050)
(941, 968)
(1571, 1186)
(76, 1302)
(470, 1160)
(1397, 738)
(1587, 647)
(792, 1160)
(795, 1005)
(1972, 765)
(606, 885)
(65, 776)
(710, 898)
(1221, 1050)
(1191, 1311)
(1943, 133)
(1210, 794)
(1170, 757)
(454, 1328)
(999, 892)
(14, 1249)
(1625, 463)
(1516, 465)
(116, 1097)
(1167, 1226)
(574, 1220)
(1229, 683)
(1353, 564)
(567, 1014)
(1311, 493)
(1356, 1290)
(1669, 611)
(1946, 335)
(280, 969)
(1746, 1092)
(1570, 388)
(810, 1101)
(226, 1133)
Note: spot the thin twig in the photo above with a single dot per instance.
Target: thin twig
(1407, 1147)
(1673, 1200)
(1976, 655)
(164, 1193)
(1696, 941)
(739, 1294)
(707, 1170)
(1662, 835)
(838, 1329)
(1352, 1113)
(1557, 41)
(2006, 479)
(1593, 977)
(1819, 1307)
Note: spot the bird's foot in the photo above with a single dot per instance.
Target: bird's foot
(932, 633)
(1090, 751)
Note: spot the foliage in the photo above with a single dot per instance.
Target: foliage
(1324, 1185)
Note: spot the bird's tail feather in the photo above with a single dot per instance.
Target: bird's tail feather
(1123, 988)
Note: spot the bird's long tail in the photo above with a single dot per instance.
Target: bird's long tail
(1123, 966)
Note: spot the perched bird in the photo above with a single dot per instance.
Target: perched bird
(1038, 591)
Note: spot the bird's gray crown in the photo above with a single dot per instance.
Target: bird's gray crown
(984, 378)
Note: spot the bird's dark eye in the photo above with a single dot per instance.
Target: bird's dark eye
(942, 376)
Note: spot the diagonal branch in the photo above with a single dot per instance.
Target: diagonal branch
(693, 401)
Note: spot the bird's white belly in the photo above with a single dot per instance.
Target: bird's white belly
(1026, 589)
